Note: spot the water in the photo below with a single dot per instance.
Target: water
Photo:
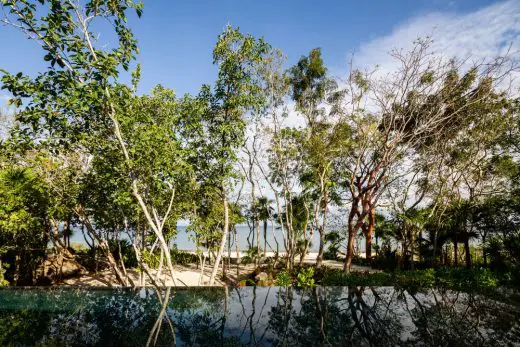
(254, 316)
(184, 241)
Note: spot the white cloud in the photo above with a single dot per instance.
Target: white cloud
(482, 34)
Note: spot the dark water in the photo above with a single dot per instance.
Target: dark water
(263, 316)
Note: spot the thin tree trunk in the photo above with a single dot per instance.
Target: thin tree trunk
(222, 243)
(265, 238)
(238, 252)
(276, 241)
(158, 275)
(319, 258)
(456, 250)
(321, 231)
(121, 278)
(484, 253)
(257, 258)
(412, 249)
(370, 233)
(202, 263)
(435, 247)
(467, 252)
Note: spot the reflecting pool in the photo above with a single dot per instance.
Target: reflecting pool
(257, 316)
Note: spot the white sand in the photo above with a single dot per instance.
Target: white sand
(189, 275)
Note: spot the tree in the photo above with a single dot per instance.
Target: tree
(23, 223)
(236, 92)
(265, 213)
(77, 95)
(321, 140)
(422, 104)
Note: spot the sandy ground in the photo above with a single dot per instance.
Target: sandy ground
(187, 275)
(190, 275)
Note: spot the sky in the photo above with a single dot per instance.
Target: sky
(176, 37)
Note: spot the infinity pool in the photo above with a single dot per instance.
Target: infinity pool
(254, 316)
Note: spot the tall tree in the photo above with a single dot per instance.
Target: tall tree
(237, 91)
(422, 103)
(313, 92)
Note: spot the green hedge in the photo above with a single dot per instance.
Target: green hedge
(478, 279)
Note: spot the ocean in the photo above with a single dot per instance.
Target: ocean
(182, 240)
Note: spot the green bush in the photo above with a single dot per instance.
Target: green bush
(466, 279)
(283, 279)
(151, 259)
(305, 278)
(477, 279)
(246, 260)
(340, 278)
(334, 240)
(386, 259)
(127, 252)
(92, 259)
(183, 257)
(3, 281)
(252, 254)
(416, 280)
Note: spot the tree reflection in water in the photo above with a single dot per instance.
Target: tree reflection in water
(254, 316)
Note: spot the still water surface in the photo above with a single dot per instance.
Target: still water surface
(254, 316)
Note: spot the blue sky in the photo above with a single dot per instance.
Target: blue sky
(176, 37)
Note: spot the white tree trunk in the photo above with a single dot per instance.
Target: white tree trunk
(222, 243)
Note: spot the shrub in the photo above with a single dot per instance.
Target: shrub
(334, 240)
(252, 254)
(416, 280)
(303, 247)
(246, 260)
(3, 281)
(183, 257)
(92, 259)
(283, 279)
(127, 252)
(477, 279)
(340, 278)
(385, 260)
(305, 278)
(151, 259)
(466, 279)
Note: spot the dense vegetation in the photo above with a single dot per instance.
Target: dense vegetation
(422, 162)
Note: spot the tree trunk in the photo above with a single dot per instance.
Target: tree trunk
(276, 241)
(412, 249)
(350, 248)
(456, 251)
(351, 235)
(370, 233)
(484, 253)
(222, 243)
(321, 230)
(103, 244)
(467, 252)
(238, 252)
(257, 241)
(319, 258)
(265, 237)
